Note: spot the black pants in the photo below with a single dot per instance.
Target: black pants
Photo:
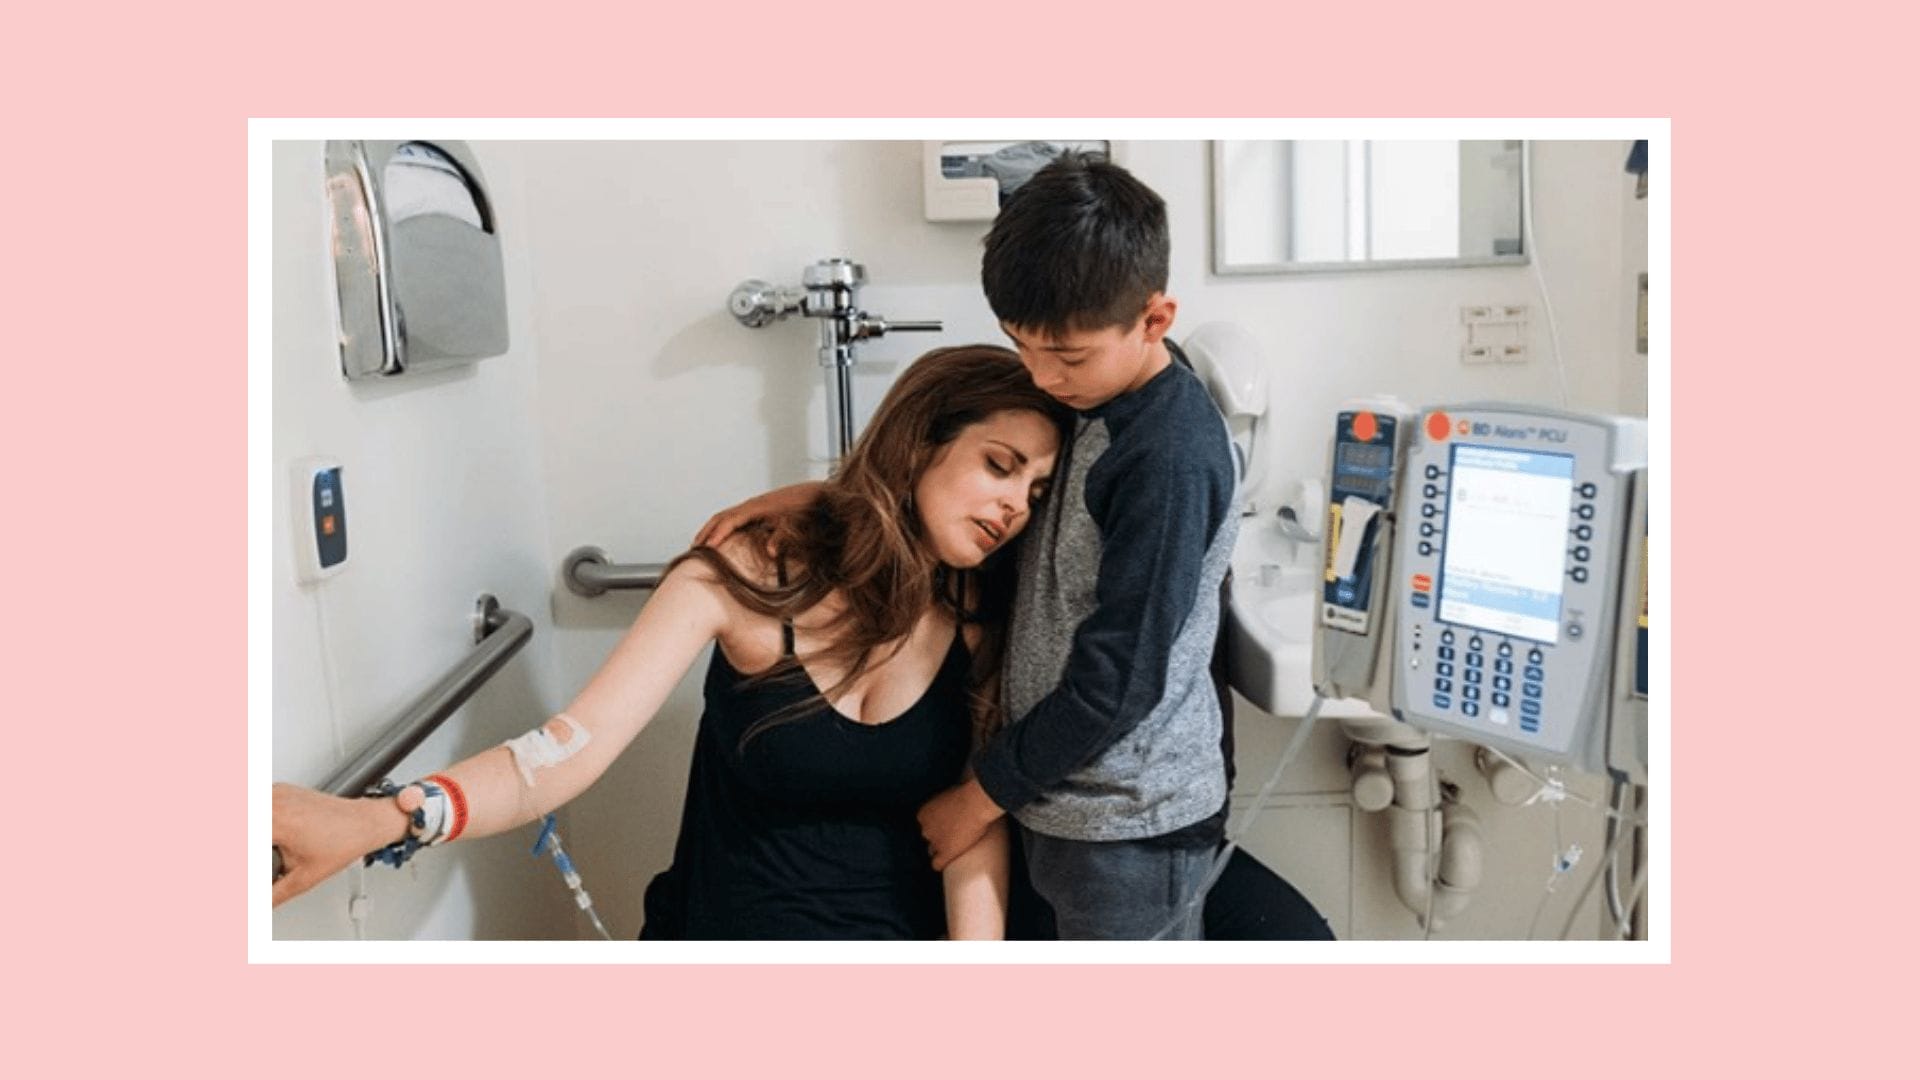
(1249, 903)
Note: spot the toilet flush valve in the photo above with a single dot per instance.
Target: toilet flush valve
(756, 303)
(830, 292)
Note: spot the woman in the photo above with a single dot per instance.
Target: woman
(856, 657)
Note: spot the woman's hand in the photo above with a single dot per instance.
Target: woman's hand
(775, 503)
(318, 835)
(955, 820)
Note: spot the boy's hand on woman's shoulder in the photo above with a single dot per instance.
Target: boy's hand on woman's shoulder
(789, 499)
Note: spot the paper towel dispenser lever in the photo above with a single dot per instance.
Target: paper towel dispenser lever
(416, 257)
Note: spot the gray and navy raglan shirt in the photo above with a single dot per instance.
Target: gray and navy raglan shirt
(1115, 726)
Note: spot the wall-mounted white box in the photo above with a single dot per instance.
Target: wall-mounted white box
(962, 180)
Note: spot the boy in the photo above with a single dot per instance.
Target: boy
(1112, 762)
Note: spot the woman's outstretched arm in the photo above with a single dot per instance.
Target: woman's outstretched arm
(319, 834)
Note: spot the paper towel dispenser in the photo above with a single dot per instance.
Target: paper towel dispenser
(416, 257)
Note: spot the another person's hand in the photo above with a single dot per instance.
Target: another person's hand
(955, 820)
(318, 835)
(786, 500)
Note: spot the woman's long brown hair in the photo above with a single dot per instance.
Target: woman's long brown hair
(862, 540)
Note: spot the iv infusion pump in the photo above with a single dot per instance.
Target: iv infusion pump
(1368, 456)
(1485, 576)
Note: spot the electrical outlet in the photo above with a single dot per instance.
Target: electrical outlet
(1512, 354)
(1477, 354)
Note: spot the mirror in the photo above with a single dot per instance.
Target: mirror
(1293, 206)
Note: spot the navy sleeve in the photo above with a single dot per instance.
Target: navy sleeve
(1156, 514)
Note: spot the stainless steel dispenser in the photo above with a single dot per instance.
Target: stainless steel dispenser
(416, 257)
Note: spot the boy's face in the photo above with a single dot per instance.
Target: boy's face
(1084, 369)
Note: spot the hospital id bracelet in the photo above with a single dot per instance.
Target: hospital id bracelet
(456, 802)
(426, 824)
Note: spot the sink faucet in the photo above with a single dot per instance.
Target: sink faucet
(1296, 531)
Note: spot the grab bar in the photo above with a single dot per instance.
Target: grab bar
(498, 634)
(588, 573)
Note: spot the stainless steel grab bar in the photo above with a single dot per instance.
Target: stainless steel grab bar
(498, 634)
(588, 573)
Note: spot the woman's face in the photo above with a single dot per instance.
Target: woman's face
(982, 487)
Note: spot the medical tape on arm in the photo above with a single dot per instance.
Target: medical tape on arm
(538, 749)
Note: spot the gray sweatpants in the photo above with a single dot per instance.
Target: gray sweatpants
(1117, 890)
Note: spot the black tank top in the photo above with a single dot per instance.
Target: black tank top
(808, 832)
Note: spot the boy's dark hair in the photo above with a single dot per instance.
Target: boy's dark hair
(1080, 246)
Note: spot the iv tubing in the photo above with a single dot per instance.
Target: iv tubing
(1631, 819)
(1599, 871)
(1539, 277)
(1294, 744)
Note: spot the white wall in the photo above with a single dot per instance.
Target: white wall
(633, 406)
(443, 502)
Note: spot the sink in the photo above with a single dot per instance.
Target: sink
(1270, 622)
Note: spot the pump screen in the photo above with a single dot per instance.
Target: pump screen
(1504, 565)
(1364, 469)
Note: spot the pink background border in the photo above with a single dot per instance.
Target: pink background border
(126, 190)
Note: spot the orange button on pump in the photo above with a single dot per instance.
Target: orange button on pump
(1365, 426)
(326, 525)
(1422, 583)
(1438, 426)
